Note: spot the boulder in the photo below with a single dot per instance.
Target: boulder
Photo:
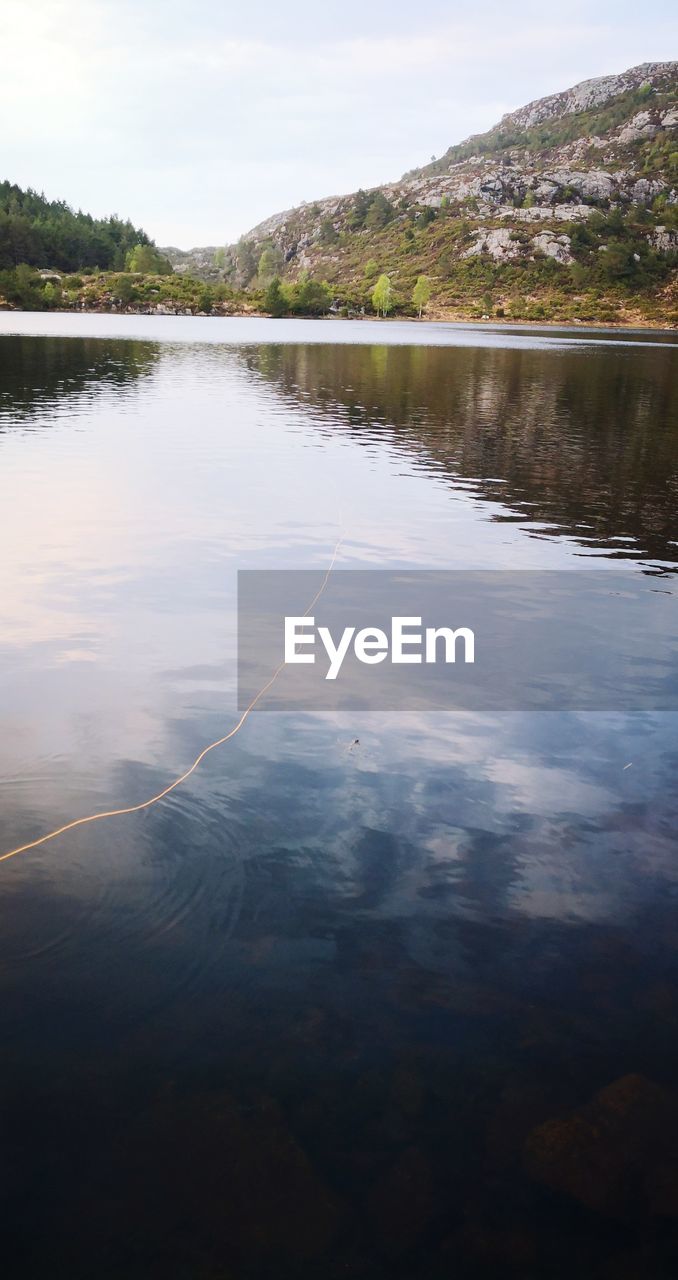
(615, 1154)
(664, 240)
(643, 125)
(498, 242)
(644, 190)
(556, 247)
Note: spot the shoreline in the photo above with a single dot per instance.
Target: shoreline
(493, 322)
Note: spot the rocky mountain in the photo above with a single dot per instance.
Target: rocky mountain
(574, 194)
(205, 263)
(589, 94)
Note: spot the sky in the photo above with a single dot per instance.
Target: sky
(197, 120)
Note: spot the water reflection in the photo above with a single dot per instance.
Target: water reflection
(41, 377)
(320, 1013)
(582, 443)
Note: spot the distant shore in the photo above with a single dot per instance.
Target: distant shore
(513, 300)
(628, 322)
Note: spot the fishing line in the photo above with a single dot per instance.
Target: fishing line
(172, 786)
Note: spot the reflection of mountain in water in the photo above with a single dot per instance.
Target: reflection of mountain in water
(43, 374)
(584, 440)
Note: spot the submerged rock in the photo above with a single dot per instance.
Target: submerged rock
(615, 1154)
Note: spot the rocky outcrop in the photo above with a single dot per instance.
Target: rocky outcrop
(546, 213)
(493, 185)
(507, 246)
(556, 247)
(643, 125)
(588, 94)
(664, 240)
(500, 244)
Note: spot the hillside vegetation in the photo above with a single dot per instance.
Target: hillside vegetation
(40, 239)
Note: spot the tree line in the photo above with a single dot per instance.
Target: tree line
(48, 233)
(308, 297)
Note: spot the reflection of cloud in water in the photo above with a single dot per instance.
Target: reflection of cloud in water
(541, 790)
(561, 834)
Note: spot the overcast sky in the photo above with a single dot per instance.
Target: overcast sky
(199, 119)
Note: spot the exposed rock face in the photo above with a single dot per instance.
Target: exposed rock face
(595, 184)
(641, 126)
(503, 245)
(645, 189)
(588, 94)
(557, 247)
(664, 241)
(500, 244)
(549, 212)
(496, 186)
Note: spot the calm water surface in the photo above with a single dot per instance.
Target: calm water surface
(332, 1009)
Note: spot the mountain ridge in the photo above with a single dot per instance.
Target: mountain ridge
(593, 92)
(587, 93)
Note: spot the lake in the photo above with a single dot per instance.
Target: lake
(370, 995)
